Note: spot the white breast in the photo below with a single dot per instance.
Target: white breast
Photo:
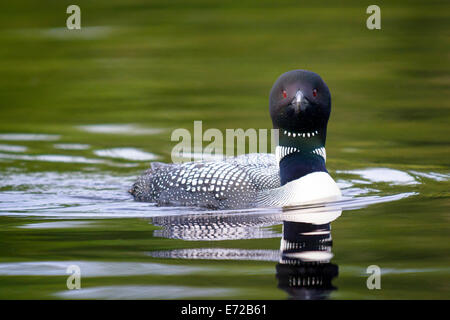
(313, 188)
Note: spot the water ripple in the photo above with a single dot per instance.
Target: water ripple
(144, 292)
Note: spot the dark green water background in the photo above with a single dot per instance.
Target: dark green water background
(140, 69)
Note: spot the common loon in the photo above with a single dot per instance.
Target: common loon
(300, 106)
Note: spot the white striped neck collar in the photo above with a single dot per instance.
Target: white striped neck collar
(283, 151)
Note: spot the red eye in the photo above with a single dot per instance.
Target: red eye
(284, 94)
(315, 92)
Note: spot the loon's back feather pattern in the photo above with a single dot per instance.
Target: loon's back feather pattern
(232, 183)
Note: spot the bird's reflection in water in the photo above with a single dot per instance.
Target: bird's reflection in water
(304, 270)
(303, 266)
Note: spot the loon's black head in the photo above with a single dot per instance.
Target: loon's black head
(300, 105)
